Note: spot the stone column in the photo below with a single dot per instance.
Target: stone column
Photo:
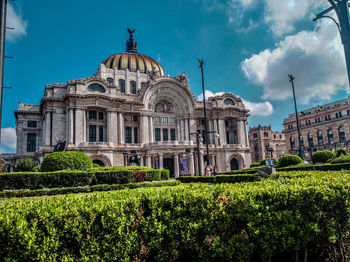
(141, 161)
(202, 164)
(84, 126)
(182, 129)
(215, 128)
(71, 127)
(149, 161)
(246, 132)
(121, 127)
(222, 133)
(160, 160)
(150, 124)
(193, 129)
(47, 128)
(186, 130)
(144, 130)
(240, 132)
(192, 164)
(176, 165)
(79, 122)
(178, 127)
(112, 126)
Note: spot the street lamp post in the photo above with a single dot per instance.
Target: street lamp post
(300, 150)
(341, 9)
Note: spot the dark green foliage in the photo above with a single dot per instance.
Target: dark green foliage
(269, 220)
(263, 163)
(322, 156)
(114, 177)
(196, 179)
(319, 167)
(218, 179)
(289, 160)
(341, 159)
(242, 171)
(74, 190)
(25, 165)
(153, 175)
(73, 160)
(165, 174)
(255, 164)
(341, 152)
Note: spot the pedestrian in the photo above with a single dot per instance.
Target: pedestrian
(214, 171)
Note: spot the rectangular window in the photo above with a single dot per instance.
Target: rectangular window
(340, 115)
(255, 135)
(165, 134)
(31, 142)
(136, 118)
(128, 135)
(31, 123)
(157, 134)
(100, 115)
(348, 112)
(92, 114)
(136, 135)
(172, 134)
(164, 120)
(92, 133)
(266, 134)
(100, 134)
(336, 115)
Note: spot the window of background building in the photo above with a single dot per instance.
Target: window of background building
(133, 87)
(92, 133)
(341, 134)
(157, 134)
(348, 112)
(121, 83)
(280, 136)
(136, 135)
(128, 137)
(109, 80)
(310, 140)
(319, 138)
(292, 142)
(330, 136)
(100, 115)
(31, 124)
(31, 142)
(266, 134)
(255, 135)
(301, 141)
(274, 136)
(100, 133)
(96, 88)
(92, 115)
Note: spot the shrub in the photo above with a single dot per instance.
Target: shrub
(263, 163)
(341, 159)
(25, 165)
(243, 171)
(322, 156)
(218, 179)
(114, 177)
(255, 164)
(165, 174)
(318, 167)
(341, 152)
(153, 175)
(63, 160)
(289, 160)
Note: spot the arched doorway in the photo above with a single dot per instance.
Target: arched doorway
(98, 162)
(234, 164)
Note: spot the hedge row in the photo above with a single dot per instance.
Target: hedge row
(70, 178)
(73, 190)
(242, 171)
(319, 167)
(219, 179)
(271, 220)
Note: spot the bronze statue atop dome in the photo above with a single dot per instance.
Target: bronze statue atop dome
(131, 44)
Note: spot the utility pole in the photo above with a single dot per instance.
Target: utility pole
(3, 9)
(201, 63)
(341, 8)
(300, 150)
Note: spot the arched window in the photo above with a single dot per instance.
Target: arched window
(96, 88)
(234, 164)
(121, 84)
(320, 138)
(110, 80)
(133, 87)
(330, 136)
(310, 140)
(341, 134)
(229, 102)
(301, 141)
(292, 143)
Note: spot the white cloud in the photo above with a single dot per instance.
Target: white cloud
(256, 109)
(14, 19)
(315, 58)
(259, 109)
(8, 137)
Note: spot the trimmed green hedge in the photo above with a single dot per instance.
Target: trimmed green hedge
(271, 220)
(74, 190)
(289, 160)
(73, 160)
(165, 174)
(341, 159)
(322, 156)
(218, 179)
(71, 178)
(255, 164)
(319, 167)
(242, 171)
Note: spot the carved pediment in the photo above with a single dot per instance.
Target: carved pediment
(164, 106)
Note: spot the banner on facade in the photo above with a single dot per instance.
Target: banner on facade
(184, 166)
(156, 163)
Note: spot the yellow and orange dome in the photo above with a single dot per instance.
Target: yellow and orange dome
(133, 61)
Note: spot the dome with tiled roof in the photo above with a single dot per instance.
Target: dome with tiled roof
(132, 60)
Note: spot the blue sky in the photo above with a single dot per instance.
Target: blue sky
(248, 46)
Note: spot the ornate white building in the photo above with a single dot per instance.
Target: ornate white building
(131, 112)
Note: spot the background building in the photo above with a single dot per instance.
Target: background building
(131, 113)
(266, 143)
(325, 127)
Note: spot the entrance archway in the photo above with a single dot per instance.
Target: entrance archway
(98, 162)
(234, 164)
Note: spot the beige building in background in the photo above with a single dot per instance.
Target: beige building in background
(131, 112)
(325, 127)
(266, 143)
